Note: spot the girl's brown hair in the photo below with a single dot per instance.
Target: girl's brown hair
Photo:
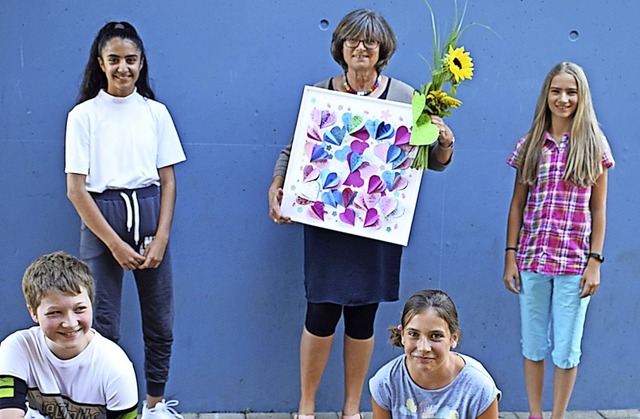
(422, 301)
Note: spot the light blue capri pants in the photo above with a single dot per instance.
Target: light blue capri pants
(552, 304)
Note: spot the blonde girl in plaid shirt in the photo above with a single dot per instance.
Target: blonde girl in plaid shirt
(555, 230)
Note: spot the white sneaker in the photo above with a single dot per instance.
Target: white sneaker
(162, 410)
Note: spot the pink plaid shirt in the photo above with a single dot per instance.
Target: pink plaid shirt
(556, 224)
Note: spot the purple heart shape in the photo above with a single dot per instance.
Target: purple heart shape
(402, 135)
(318, 209)
(376, 185)
(354, 179)
(359, 146)
(371, 218)
(348, 216)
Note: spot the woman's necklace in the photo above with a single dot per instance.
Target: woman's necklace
(367, 92)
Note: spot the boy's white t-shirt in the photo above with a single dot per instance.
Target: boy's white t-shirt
(120, 142)
(98, 379)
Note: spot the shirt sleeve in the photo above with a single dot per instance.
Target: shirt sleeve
(513, 158)
(13, 373)
(77, 143)
(607, 156)
(379, 388)
(119, 380)
(280, 168)
(170, 149)
(13, 393)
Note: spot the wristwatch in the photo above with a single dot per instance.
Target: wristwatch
(450, 146)
(597, 256)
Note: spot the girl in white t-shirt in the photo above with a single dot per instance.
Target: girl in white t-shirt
(121, 146)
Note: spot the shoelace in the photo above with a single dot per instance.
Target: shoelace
(168, 406)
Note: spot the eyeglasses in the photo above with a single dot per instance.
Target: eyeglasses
(368, 43)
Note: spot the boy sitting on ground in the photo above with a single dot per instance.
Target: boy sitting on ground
(62, 368)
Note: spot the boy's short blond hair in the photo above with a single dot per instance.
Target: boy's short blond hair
(56, 272)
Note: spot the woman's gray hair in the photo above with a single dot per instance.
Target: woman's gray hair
(371, 25)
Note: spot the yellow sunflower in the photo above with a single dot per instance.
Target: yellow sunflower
(459, 64)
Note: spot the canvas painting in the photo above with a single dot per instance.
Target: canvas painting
(350, 166)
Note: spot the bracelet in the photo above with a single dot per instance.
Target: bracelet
(515, 249)
(450, 146)
(597, 256)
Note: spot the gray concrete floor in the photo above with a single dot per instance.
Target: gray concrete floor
(592, 414)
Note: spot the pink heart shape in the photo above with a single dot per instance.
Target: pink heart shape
(404, 165)
(372, 200)
(364, 201)
(399, 183)
(380, 150)
(323, 118)
(388, 205)
(314, 133)
(309, 173)
(348, 216)
(367, 170)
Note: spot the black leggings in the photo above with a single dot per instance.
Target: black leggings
(322, 319)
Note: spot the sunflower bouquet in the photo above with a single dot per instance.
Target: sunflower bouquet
(451, 65)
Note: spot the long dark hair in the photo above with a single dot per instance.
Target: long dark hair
(94, 78)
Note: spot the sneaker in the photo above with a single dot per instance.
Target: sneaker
(162, 410)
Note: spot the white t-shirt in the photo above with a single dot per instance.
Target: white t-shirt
(98, 379)
(120, 142)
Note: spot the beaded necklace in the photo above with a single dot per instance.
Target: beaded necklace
(367, 92)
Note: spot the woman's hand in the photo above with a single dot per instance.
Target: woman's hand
(445, 137)
(275, 200)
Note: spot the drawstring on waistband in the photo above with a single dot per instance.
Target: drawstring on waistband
(133, 214)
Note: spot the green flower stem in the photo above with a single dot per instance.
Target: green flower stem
(422, 158)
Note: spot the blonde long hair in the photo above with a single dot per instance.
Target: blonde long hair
(584, 161)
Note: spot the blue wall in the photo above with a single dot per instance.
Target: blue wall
(232, 74)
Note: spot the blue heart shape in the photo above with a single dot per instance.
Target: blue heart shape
(319, 153)
(371, 125)
(399, 160)
(393, 153)
(335, 135)
(389, 177)
(355, 161)
(342, 154)
(328, 179)
(332, 198)
(384, 131)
